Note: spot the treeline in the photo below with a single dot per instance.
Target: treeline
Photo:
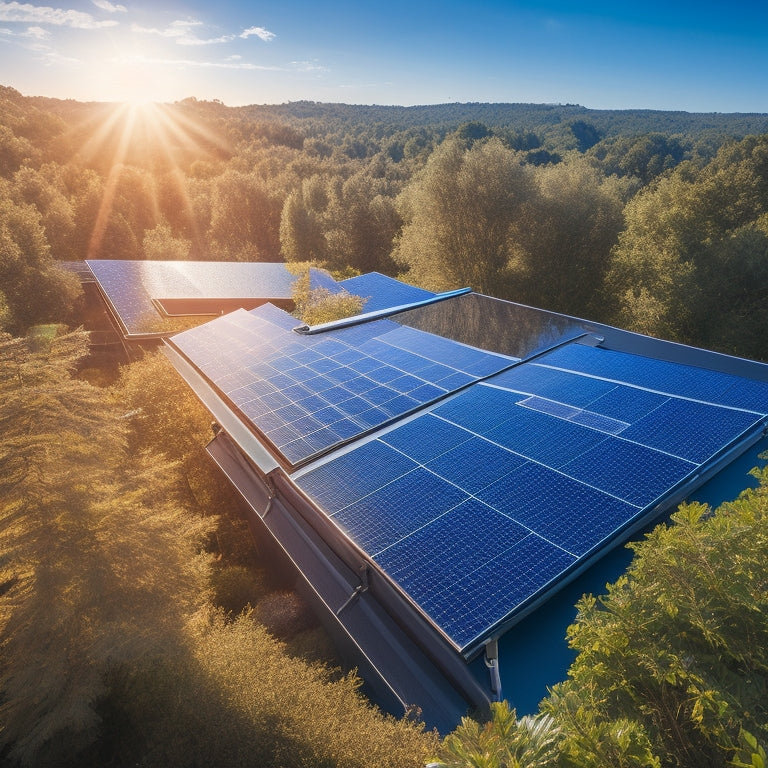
(569, 209)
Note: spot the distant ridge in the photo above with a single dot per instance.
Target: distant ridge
(521, 116)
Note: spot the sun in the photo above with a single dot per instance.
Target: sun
(152, 137)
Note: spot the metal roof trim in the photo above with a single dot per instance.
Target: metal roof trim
(308, 330)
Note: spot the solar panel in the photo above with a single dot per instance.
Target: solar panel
(512, 482)
(382, 292)
(332, 385)
(131, 286)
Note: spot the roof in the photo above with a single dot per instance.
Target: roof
(475, 455)
(145, 296)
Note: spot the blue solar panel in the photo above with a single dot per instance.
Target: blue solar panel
(364, 375)
(633, 472)
(558, 508)
(661, 376)
(627, 403)
(691, 430)
(387, 515)
(475, 603)
(477, 504)
(479, 409)
(547, 439)
(426, 438)
(354, 475)
(131, 286)
(475, 464)
(382, 292)
(566, 387)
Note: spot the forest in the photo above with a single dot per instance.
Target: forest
(138, 623)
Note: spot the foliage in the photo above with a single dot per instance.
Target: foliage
(33, 288)
(502, 742)
(691, 263)
(458, 214)
(97, 556)
(679, 643)
(563, 239)
(671, 663)
(247, 703)
(315, 306)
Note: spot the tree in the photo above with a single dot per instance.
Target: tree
(564, 237)
(301, 229)
(679, 644)
(690, 259)
(160, 244)
(87, 539)
(245, 218)
(361, 224)
(458, 213)
(34, 288)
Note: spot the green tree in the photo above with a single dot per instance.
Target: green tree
(301, 228)
(502, 742)
(245, 218)
(564, 237)
(33, 287)
(46, 191)
(690, 259)
(160, 245)
(679, 643)
(361, 224)
(458, 213)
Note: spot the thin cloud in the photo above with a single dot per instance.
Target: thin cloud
(229, 63)
(308, 66)
(176, 29)
(190, 40)
(105, 5)
(37, 33)
(264, 34)
(181, 32)
(43, 14)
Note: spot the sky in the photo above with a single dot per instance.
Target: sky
(696, 57)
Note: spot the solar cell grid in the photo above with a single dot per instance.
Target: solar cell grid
(544, 438)
(355, 370)
(558, 508)
(633, 472)
(660, 376)
(569, 388)
(475, 464)
(396, 510)
(426, 438)
(691, 430)
(474, 604)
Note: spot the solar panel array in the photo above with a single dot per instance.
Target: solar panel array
(477, 506)
(382, 292)
(308, 393)
(131, 285)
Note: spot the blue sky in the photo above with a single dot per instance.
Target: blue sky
(697, 57)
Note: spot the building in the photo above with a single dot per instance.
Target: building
(440, 468)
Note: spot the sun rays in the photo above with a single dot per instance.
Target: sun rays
(159, 139)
